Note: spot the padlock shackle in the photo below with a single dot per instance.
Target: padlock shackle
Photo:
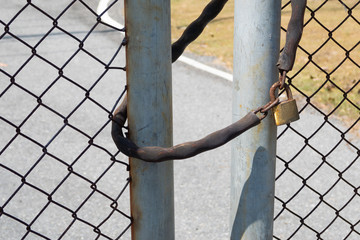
(277, 85)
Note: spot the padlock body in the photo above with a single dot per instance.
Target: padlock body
(285, 112)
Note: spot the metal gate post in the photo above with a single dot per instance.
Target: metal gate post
(149, 95)
(256, 51)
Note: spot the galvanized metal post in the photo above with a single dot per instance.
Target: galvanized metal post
(256, 49)
(150, 115)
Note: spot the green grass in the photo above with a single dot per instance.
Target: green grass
(217, 40)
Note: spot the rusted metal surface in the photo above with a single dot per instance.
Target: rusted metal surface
(196, 27)
(272, 91)
(293, 35)
(149, 113)
(180, 151)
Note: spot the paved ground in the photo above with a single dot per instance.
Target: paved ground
(201, 103)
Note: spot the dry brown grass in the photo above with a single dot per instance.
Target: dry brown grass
(217, 40)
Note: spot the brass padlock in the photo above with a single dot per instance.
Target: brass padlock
(286, 111)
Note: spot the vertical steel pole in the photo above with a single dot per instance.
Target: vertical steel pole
(256, 51)
(150, 115)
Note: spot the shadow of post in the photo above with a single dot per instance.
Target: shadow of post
(254, 215)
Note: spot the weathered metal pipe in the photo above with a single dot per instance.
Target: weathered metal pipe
(181, 151)
(149, 112)
(256, 52)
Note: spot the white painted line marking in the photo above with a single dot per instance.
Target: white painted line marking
(107, 19)
(206, 68)
(103, 4)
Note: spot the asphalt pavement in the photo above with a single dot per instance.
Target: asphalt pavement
(201, 105)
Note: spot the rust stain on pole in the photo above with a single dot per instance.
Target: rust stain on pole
(149, 112)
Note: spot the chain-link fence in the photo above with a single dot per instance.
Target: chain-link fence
(319, 156)
(62, 69)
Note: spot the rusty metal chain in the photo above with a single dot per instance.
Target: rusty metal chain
(181, 151)
(273, 99)
(196, 27)
(188, 149)
(293, 36)
(220, 137)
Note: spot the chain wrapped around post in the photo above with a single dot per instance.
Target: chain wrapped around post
(220, 137)
(180, 151)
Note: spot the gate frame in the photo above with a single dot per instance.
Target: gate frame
(149, 93)
(256, 52)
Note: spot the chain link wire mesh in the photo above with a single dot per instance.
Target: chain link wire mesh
(322, 164)
(62, 69)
